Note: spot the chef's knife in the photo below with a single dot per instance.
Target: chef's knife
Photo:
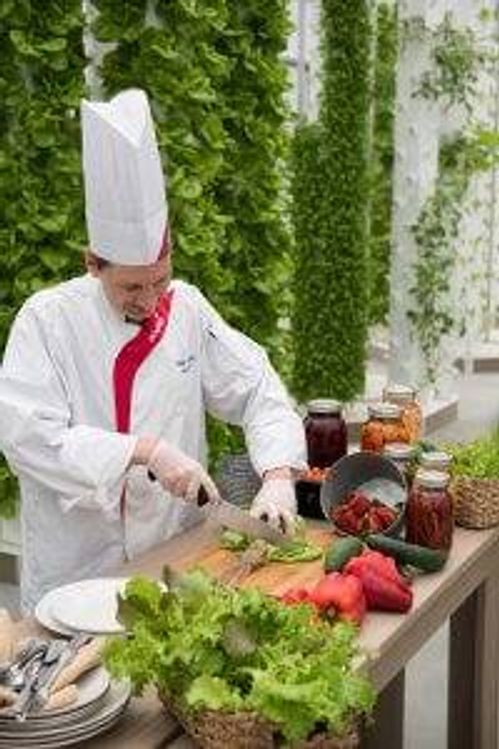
(227, 515)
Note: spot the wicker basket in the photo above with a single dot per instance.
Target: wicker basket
(215, 729)
(476, 502)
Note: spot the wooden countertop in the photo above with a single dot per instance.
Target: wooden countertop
(389, 640)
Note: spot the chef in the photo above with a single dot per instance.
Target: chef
(106, 379)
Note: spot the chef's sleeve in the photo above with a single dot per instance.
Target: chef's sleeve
(241, 387)
(85, 465)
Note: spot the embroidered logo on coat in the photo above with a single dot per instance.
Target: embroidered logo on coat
(186, 364)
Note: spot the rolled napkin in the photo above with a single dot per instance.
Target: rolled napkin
(88, 657)
(62, 698)
(7, 697)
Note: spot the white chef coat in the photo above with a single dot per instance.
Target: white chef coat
(57, 424)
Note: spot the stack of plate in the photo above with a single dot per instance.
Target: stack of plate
(100, 704)
(85, 606)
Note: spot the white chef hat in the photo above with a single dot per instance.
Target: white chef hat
(125, 201)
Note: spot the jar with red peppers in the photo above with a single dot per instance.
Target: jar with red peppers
(384, 425)
(326, 432)
(429, 513)
(412, 413)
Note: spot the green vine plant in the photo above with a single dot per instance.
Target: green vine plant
(435, 232)
(457, 61)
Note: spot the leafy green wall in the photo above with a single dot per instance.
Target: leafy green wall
(381, 163)
(216, 80)
(330, 203)
(42, 227)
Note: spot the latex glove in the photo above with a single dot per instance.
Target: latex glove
(179, 474)
(276, 504)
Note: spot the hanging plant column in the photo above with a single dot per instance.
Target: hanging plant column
(330, 315)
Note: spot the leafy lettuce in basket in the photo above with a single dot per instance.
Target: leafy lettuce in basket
(478, 459)
(212, 646)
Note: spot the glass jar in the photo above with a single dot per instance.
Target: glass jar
(412, 413)
(403, 455)
(436, 461)
(325, 432)
(384, 425)
(429, 516)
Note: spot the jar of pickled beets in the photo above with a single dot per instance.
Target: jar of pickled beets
(326, 432)
(429, 514)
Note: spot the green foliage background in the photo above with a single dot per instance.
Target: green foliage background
(381, 163)
(330, 199)
(216, 79)
(42, 227)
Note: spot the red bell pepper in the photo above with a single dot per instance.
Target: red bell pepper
(377, 561)
(341, 594)
(385, 589)
(384, 594)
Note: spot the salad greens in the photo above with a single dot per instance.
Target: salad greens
(297, 550)
(211, 646)
(477, 459)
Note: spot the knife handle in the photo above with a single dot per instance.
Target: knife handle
(202, 497)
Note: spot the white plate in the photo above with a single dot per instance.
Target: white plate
(112, 704)
(44, 617)
(89, 605)
(73, 736)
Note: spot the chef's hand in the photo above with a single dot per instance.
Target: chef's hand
(179, 474)
(276, 503)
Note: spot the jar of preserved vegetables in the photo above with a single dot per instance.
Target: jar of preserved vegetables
(404, 457)
(384, 425)
(325, 432)
(429, 513)
(436, 461)
(412, 413)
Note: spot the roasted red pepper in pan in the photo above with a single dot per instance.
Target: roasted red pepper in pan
(359, 514)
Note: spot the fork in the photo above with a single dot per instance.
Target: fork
(12, 674)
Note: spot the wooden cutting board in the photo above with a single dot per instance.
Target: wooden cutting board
(274, 577)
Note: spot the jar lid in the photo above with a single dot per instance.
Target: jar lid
(432, 479)
(397, 393)
(398, 451)
(384, 410)
(324, 406)
(435, 460)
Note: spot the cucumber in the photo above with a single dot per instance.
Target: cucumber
(340, 551)
(427, 560)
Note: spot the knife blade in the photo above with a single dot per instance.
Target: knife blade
(227, 515)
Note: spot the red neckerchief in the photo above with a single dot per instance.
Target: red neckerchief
(130, 358)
